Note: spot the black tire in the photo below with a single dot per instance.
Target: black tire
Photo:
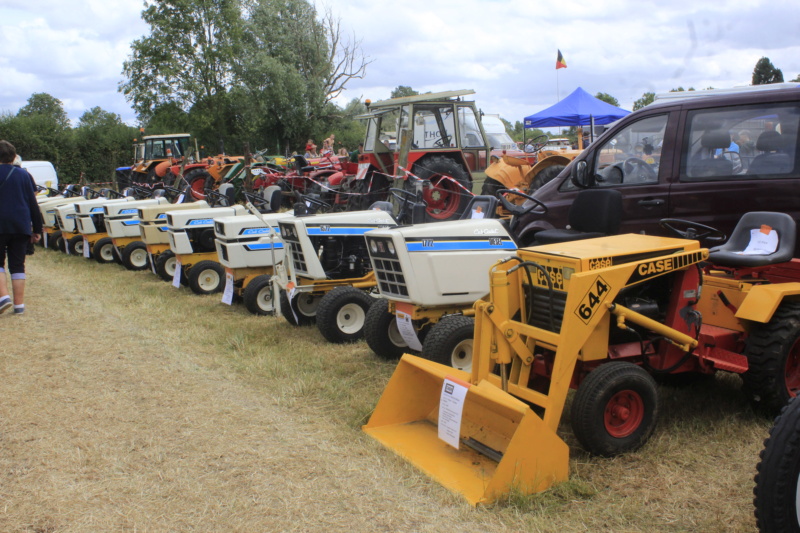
(134, 256)
(342, 313)
(206, 277)
(61, 245)
(165, 265)
(75, 245)
(454, 199)
(773, 356)
(491, 186)
(52, 240)
(545, 176)
(103, 250)
(778, 475)
(258, 297)
(301, 311)
(615, 409)
(381, 333)
(449, 342)
(199, 179)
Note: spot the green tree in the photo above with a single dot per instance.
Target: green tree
(765, 72)
(44, 105)
(646, 99)
(402, 90)
(103, 143)
(607, 98)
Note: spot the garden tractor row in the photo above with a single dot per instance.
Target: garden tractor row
(122, 224)
(51, 233)
(602, 316)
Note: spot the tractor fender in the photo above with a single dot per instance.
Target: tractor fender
(162, 168)
(335, 178)
(762, 300)
(527, 235)
(545, 163)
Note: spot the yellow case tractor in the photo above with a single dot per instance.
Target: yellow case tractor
(602, 316)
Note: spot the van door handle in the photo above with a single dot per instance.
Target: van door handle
(651, 203)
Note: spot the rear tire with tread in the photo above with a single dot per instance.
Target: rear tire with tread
(297, 312)
(165, 265)
(258, 297)
(381, 333)
(134, 256)
(75, 245)
(103, 250)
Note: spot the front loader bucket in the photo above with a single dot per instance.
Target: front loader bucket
(516, 449)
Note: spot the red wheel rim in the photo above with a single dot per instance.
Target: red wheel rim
(624, 413)
(198, 188)
(792, 370)
(442, 198)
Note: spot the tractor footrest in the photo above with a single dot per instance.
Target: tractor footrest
(726, 360)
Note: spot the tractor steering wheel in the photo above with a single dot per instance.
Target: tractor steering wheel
(257, 200)
(312, 202)
(405, 197)
(519, 210)
(536, 144)
(216, 198)
(686, 229)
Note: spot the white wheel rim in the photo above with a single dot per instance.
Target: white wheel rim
(461, 356)
(264, 299)
(208, 280)
(79, 248)
(307, 305)
(169, 266)
(139, 258)
(107, 252)
(350, 318)
(394, 335)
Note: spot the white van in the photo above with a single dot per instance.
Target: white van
(43, 173)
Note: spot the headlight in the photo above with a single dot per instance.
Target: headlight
(390, 246)
(373, 247)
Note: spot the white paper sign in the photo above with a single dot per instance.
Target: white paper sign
(761, 243)
(176, 277)
(45, 240)
(451, 406)
(86, 248)
(477, 213)
(292, 291)
(407, 331)
(180, 199)
(227, 294)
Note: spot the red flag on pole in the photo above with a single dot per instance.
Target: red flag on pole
(560, 63)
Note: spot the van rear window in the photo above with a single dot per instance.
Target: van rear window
(741, 142)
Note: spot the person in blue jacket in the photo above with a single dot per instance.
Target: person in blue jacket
(20, 223)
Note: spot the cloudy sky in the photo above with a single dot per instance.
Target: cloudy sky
(505, 50)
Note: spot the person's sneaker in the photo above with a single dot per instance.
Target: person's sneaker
(5, 303)
(19, 310)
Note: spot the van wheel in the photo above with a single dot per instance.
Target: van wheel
(446, 198)
(773, 356)
(257, 296)
(615, 409)
(342, 313)
(381, 333)
(134, 256)
(103, 250)
(206, 277)
(450, 342)
(778, 475)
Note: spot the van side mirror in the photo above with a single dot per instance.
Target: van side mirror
(580, 175)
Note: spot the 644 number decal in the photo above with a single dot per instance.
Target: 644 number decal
(592, 299)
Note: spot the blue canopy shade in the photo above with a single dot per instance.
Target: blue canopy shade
(577, 109)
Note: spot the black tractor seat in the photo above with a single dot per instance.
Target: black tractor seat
(730, 254)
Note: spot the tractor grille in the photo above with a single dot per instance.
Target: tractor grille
(541, 305)
(59, 221)
(224, 249)
(294, 249)
(391, 280)
(219, 228)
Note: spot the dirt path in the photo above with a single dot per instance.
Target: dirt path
(103, 428)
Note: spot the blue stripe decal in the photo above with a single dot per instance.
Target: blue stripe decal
(128, 212)
(460, 246)
(96, 210)
(256, 247)
(130, 222)
(201, 221)
(339, 231)
(162, 215)
(256, 231)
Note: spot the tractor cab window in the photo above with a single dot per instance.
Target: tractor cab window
(471, 136)
(372, 134)
(742, 142)
(154, 149)
(434, 127)
(633, 155)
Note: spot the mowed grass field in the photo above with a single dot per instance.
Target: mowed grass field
(129, 405)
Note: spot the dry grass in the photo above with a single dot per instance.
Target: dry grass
(128, 405)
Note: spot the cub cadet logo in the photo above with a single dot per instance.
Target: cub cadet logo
(486, 231)
(379, 221)
(600, 262)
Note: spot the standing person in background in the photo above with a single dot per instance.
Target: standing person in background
(20, 223)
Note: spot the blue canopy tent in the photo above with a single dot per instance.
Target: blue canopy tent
(578, 109)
